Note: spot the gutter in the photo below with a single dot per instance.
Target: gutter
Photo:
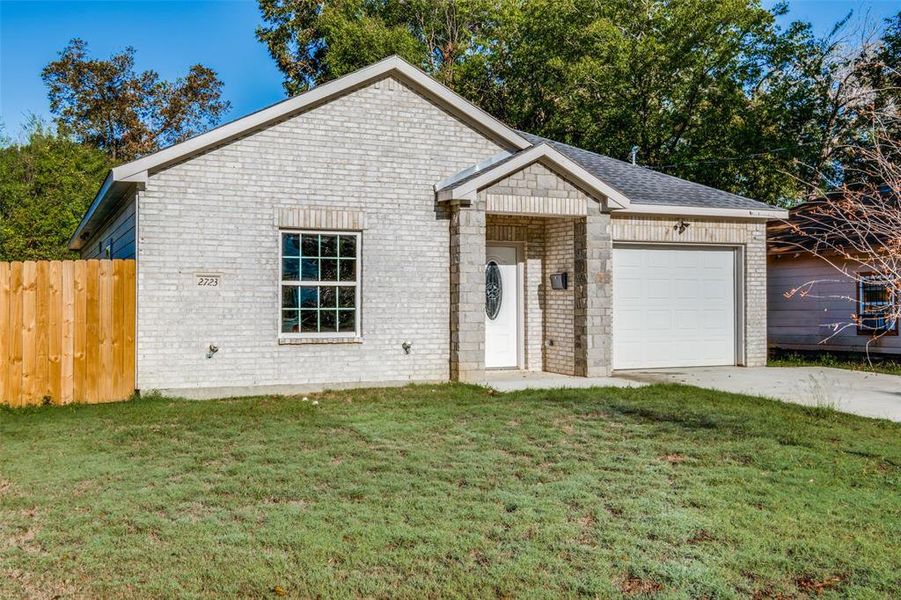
(697, 211)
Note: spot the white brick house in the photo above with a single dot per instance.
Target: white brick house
(345, 236)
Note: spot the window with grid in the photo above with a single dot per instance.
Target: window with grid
(320, 284)
(877, 308)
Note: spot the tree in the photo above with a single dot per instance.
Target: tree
(107, 104)
(710, 90)
(313, 41)
(856, 226)
(46, 184)
(871, 90)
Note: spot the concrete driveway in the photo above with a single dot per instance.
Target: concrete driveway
(860, 393)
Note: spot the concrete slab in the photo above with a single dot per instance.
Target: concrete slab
(513, 380)
(857, 392)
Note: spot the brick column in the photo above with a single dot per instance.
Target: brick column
(467, 292)
(593, 311)
(755, 297)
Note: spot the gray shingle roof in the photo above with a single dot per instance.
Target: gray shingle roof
(644, 186)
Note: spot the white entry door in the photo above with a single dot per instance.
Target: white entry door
(673, 307)
(501, 308)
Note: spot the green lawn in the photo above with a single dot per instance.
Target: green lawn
(432, 491)
(876, 363)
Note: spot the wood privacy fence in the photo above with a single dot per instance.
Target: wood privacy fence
(67, 331)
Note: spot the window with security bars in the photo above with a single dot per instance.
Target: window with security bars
(878, 306)
(320, 284)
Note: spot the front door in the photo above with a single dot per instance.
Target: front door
(501, 308)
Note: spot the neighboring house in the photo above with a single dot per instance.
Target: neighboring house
(346, 235)
(807, 320)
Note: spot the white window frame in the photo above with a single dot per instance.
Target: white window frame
(357, 283)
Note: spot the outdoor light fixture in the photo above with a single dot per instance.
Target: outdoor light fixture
(681, 226)
(213, 350)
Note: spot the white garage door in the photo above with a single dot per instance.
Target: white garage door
(673, 307)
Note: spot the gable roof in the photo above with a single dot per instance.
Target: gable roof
(642, 190)
(653, 189)
(834, 224)
(122, 179)
(465, 188)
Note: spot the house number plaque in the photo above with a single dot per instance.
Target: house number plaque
(208, 280)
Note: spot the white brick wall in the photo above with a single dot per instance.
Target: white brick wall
(559, 305)
(378, 150)
(374, 156)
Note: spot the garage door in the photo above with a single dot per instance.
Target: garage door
(673, 307)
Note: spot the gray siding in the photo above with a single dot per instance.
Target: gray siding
(803, 322)
(118, 233)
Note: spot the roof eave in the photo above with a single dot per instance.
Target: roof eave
(75, 241)
(112, 190)
(703, 211)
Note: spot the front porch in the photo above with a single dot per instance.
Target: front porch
(524, 228)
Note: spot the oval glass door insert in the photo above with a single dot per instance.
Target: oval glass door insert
(494, 290)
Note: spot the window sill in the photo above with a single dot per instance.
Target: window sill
(295, 341)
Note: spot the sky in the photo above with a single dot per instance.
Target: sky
(171, 35)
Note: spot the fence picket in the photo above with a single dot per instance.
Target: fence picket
(92, 340)
(4, 322)
(29, 329)
(13, 381)
(67, 357)
(54, 332)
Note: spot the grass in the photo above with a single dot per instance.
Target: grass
(854, 362)
(450, 491)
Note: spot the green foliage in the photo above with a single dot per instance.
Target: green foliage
(877, 79)
(127, 114)
(46, 184)
(710, 90)
(314, 41)
(448, 491)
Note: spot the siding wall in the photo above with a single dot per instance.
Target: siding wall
(803, 322)
(750, 235)
(378, 151)
(118, 233)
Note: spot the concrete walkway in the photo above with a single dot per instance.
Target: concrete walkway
(856, 392)
(513, 380)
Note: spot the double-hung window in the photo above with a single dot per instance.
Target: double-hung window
(877, 308)
(320, 284)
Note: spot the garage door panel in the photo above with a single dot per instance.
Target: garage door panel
(673, 307)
